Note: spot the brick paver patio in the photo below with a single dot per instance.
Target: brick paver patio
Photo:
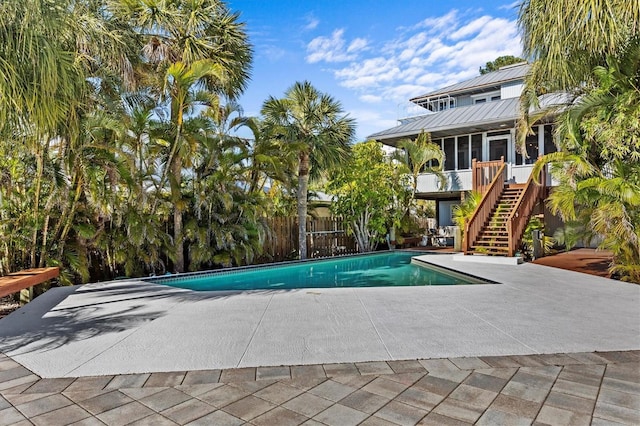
(559, 389)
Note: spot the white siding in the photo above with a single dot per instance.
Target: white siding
(457, 180)
(519, 174)
(462, 101)
(511, 90)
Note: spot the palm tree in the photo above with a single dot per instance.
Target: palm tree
(565, 40)
(48, 51)
(269, 163)
(187, 31)
(202, 51)
(421, 156)
(181, 91)
(315, 127)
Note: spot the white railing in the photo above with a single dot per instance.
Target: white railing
(461, 180)
(457, 180)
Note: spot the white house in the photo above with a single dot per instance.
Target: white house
(475, 120)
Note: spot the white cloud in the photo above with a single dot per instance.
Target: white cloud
(471, 28)
(357, 44)
(370, 72)
(312, 23)
(434, 53)
(272, 52)
(332, 49)
(438, 23)
(371, 99)
(430, 79)
(401, 93)
(510, 6)
(369, 121)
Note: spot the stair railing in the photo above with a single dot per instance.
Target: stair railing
(517, 222)
(481, 214)
(483, 172)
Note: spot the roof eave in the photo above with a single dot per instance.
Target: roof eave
(468, 90)
(486, 125)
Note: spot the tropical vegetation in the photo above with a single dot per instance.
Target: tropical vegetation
(119, 152)
(117, 146)
(314, 126)
(365, 194)
(591, 52)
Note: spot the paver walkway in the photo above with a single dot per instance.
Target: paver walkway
(562, 389)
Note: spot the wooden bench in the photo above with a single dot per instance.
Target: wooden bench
(18, 281)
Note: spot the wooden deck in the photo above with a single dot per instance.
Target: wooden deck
(588, 261)
(18, 281)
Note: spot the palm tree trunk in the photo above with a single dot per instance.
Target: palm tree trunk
(70, 217)
(303, 187)
(45, 231)
(36, 205)
(178, 237)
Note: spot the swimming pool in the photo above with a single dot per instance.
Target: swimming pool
(387, 269)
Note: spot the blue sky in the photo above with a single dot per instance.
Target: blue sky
(372, 55)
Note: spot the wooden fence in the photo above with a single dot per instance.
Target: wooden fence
(326, 237)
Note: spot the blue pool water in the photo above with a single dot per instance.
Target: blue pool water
(372, 270)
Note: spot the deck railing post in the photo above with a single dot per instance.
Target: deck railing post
(474, 174)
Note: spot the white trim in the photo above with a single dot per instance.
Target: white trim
(541, 140)
(500, 137)
(455, 153)
(485, 147)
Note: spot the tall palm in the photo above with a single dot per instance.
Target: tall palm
(202, 50)
(225, 224)
(268, 162)
(182, 82)
(47, 51)
(316, 128)
(187, 31)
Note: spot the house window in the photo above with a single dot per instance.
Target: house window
(449, 152)
(486, 97)
(498, 148)
(476, 147)
(531, 144)
(433, 163)
(463, 152)
(549, 145)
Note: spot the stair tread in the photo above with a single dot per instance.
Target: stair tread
(494, 238)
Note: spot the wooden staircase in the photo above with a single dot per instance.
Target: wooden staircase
(494, 235)
(498, 223)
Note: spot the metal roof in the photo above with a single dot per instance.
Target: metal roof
(492, 79)
(471, 118)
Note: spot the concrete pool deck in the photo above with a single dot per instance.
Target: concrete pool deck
(69, 349)
(138, 327)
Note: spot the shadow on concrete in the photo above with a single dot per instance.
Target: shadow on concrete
(67, 314)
